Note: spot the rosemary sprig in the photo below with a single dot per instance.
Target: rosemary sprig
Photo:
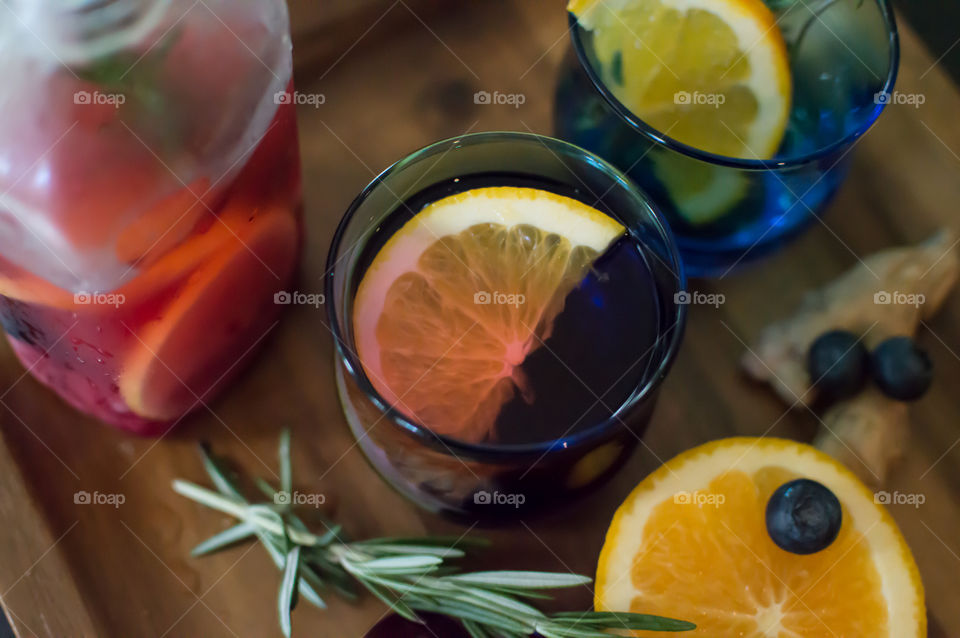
(407, 574)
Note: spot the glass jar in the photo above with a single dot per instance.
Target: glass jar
(150, 205)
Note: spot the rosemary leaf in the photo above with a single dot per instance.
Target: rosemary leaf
(265, 487)
(233, 506)
(523, 580)
(227, 537)
(286, 473)
(470, 612)
(498, 601)
(333, 574)
(549, 630)
(218, 473)
(401, 564)
(310, 594)
(432, 541)
(395, 604)
(474, 629)
(287, 598)
(269, 519)
(391, 549)
(519, 592)
(626, 620)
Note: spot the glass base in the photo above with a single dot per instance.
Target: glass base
(475, 491)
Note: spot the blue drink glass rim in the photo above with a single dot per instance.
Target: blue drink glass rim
(343, 335)
(661, 139)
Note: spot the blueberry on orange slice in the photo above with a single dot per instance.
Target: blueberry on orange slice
(456, 299)
(803, 516)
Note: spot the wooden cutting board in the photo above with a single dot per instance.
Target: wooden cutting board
(403, 81)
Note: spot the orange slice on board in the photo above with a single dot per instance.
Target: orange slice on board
(457, 298)
(691, 542)
(184, 352)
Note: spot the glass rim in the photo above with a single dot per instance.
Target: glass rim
(661, 139)
(493, 451)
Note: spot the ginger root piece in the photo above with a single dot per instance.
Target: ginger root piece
(867, 299)
(887, 294)
(867, 433)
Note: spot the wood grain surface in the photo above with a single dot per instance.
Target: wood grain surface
(404, 81)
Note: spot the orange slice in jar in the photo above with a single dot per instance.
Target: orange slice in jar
(20, 285)
(219, 311)
(207, 236)
(159, 229)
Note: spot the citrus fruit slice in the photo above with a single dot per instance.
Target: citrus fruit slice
(691, 542)
(165, 224)
(701, 193)
(713, 74)
(209, 233)
(228, 300)
(21, 285)
(455, 300)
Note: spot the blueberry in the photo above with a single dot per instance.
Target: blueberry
(803, 517)
(901, 369)
(837, 363)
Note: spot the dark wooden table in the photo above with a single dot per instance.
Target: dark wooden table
(401, 82)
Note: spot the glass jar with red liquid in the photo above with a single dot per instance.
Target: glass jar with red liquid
(149, 197)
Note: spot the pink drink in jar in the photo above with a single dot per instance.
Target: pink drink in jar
(149, 198)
